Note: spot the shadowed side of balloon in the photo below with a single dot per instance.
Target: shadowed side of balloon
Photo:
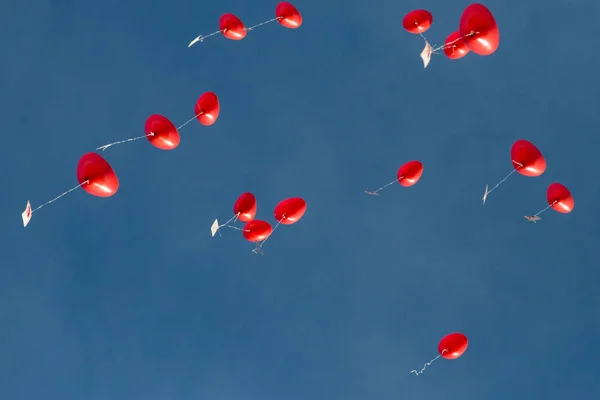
(407, 175)
(94, 174)
(162, 133)
(478, 32)
(232, 27)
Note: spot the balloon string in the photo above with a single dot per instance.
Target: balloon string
(61, 195)
(106, 146)
(190, 120)
(376, 193)
(428, 364)
(450, 44)
(549, 205)
(264, 23)
(201, 38)
(506, 177)
(235, 217)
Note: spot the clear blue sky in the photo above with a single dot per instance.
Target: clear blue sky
(130, 298)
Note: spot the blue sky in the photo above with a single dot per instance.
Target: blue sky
(129, 297)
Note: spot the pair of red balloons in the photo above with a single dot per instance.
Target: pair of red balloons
(287, 212)
(477, 32)
(233, 28)
(163, 134)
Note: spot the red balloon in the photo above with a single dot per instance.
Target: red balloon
(245, 207)
(417, 21)
(455, 345)
(165, 135)
(289, 211)
(288, 15)
(257, 230)
(101, 178)
(525, 153)
(232, 27)
(477, 19)
(410, 173)
(455, 48)
(207, 108)
(559, 198)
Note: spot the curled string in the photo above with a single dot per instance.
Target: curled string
(61, 195)
(427, 364)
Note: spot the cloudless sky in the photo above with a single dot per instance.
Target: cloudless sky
(129, 297)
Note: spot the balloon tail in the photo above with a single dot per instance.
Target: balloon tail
(427, 364)
(28, 213)
(106, 146)
(376, 192)
(487, 192)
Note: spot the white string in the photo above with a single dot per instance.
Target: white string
(61, 195)
(264, 23)
(106, 146)
(506, 177)
(201, 38)
(434, 49)
(549, 205)
(428, 364)
(376, 193)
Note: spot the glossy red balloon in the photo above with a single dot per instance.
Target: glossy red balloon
(477, 19)
(559, 198)
(288, 15)
(455, 345)
(102, 180)
(455, 48)
(417, 21)
(289, 211)
(525, 153)
(257, 230)
(165, 135)
(410, 173)
(232, 27)
(207, 108)
(245, 206)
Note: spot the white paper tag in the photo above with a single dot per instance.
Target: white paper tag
(426, 54)
(26, 215)
(214, 227)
